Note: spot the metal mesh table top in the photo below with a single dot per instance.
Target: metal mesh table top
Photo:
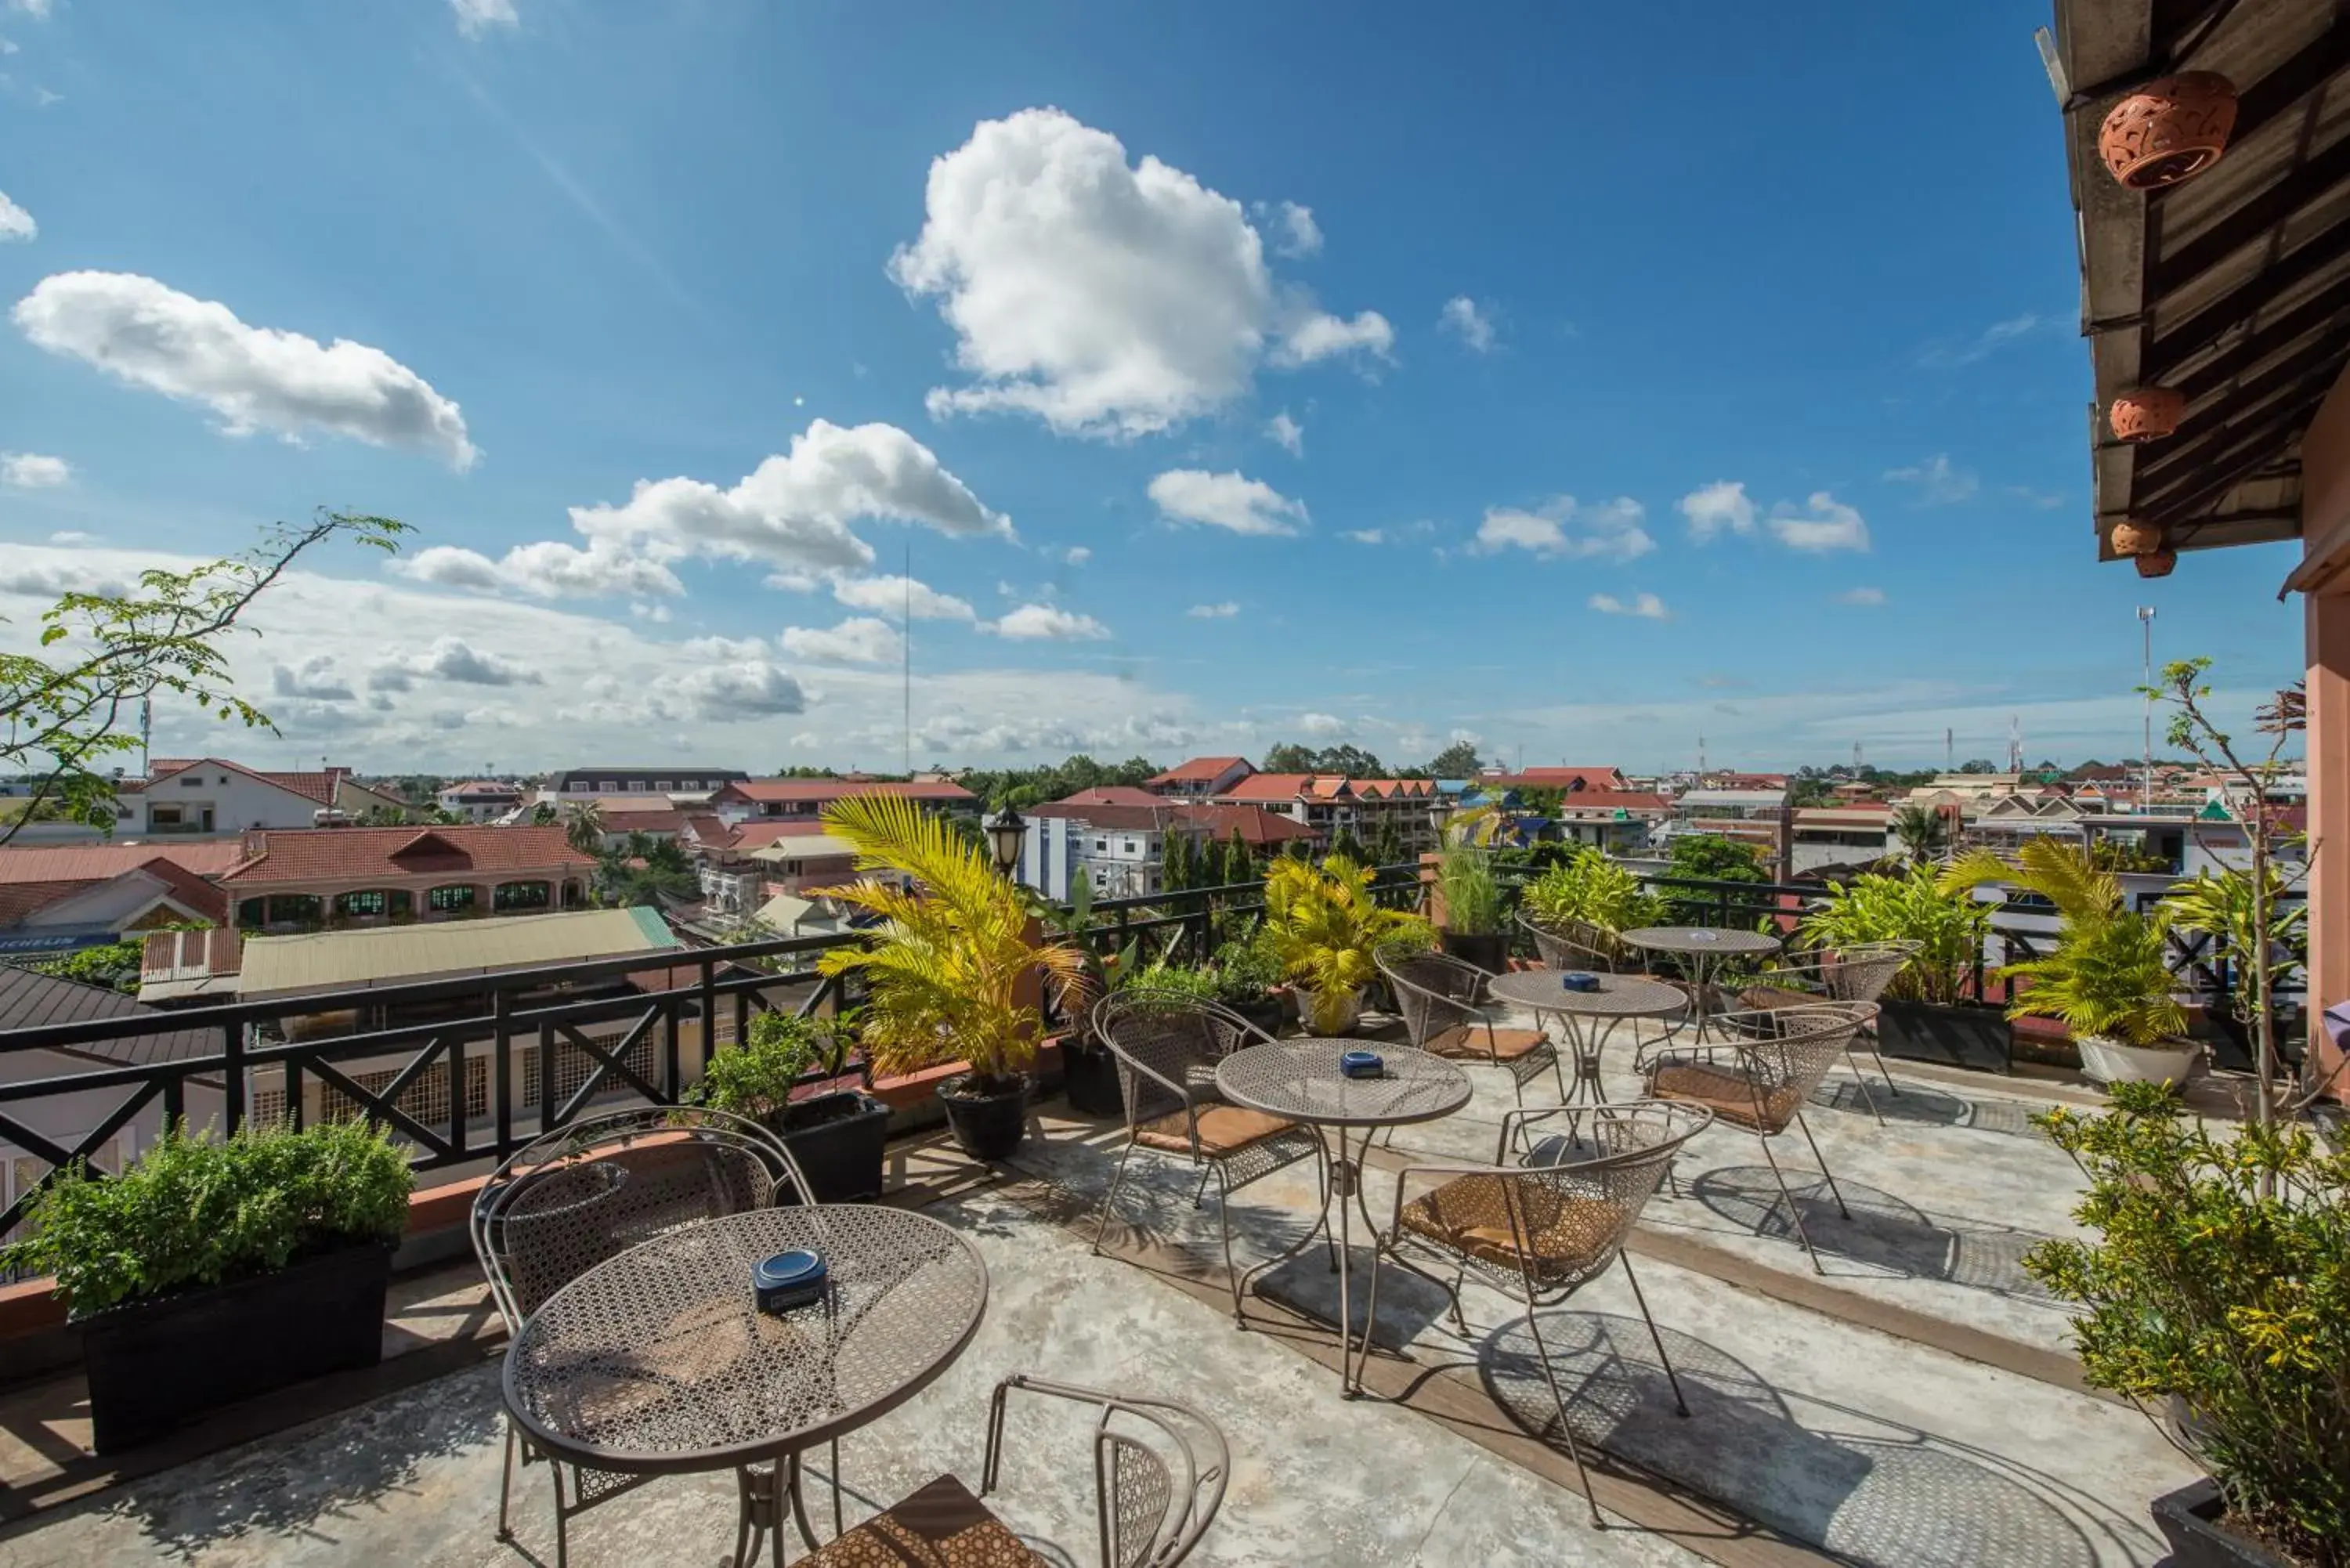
(1699, 941)
(1618, 996)
(658, 1359)
(1300, 1079)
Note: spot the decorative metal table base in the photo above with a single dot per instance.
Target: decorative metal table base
(1346, 1182)
(765, 1495)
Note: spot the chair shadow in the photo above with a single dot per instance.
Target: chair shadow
(1871, 1490)
(1927, 1108)
(301, 1487)
(1884, 1232)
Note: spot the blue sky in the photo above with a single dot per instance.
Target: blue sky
(1581, 380)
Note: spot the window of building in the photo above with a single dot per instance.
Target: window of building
(608, 787)
(522, 896)
(1101, 845)
(193, 780)
(251, 912)
(662, 787)
(363, 905)
(1130, 846)
(450, 898)
(163, 816)
(399, 903)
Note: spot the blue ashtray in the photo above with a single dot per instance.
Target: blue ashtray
(787, 1280)
(1577, 980)
(1362, 1064)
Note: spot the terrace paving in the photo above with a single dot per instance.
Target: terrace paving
(1911, 1408)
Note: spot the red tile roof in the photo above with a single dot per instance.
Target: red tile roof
(98, 862)
(1256, 825)
(1199, 770)
(21, 897)
(318, 786)
(764, 791)
(1111, 794)
(1616, 800)
(749, 835)
(1283, 787)
(1572, 780)
(355, 855)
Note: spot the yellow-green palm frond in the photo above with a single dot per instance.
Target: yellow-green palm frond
(2058, 872)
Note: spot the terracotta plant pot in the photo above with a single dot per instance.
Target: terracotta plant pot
(2157, 565)
(2132, 537)
(2168, 130)
(2146, 414)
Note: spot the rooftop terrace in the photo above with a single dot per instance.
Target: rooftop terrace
(1912, 1405)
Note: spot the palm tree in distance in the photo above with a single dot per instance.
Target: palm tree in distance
(1924, 832)
(583, 827)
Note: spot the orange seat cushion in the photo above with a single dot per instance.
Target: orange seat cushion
(1770, 998)
(1469, 1040)
(1472, 1214)
(1223, 1130)
(1729, 1093)
(940, 1526)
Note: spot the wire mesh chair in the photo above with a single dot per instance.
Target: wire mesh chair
(1542, 1229)
(1167, 1045)
(1760, 1082)
(1574, 944)
(1442, 1001)
(1858, 973)
(1159, 1473)
(575, 1196)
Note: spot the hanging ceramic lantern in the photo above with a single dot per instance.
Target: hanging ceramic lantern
(2157, 565)
(2132, 537)
(2168, 130)
(2146, 414)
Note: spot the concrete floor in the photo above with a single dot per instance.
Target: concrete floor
(1876, 1448)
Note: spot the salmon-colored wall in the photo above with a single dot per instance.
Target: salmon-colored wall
(2325, 538)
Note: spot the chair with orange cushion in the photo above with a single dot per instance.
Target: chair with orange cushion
(1442, 1002)
(1167, 1045)
(1759, 1082)
(1542, 1229)
(1159, 1473)
(1859, 972)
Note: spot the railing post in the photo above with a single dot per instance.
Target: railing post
(457, 1085)
(501, 1069)
(669, 1007)
(546, 1077)
(233, 1076)
(175, 1101)
(674, 1083)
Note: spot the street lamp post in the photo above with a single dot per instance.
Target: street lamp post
(1007, 831)
(2145, 784)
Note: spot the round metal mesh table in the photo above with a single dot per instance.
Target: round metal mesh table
(659, 1360)
(1300, 1079)
(1700, 941)
(1590, 1017)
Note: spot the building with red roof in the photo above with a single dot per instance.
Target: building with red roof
(1201, 778)
(1332, 804)
(199, 796)
(1570, 780)
(746, 800)
(362, 875)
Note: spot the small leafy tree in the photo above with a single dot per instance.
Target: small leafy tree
(1924, 832)
(66, 710)
(1457, 761)
(1709, 857)
(583, 826)
(2191, 728)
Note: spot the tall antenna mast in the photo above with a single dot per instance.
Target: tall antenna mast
(2014, 744)
(906, 644)
(1700, 757)
(1950, 753)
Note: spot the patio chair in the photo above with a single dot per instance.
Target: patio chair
(589, 1191)
(1760, 1082)
(1167, 1047)
(1859, 973)
(1159, 1473)
(1542, 1229)
(1574, 944)
(1442, 1001)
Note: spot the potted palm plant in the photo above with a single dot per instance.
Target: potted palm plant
(2213, 1284)
(2108, 980)
(1475, 912)
(1246, 970)
(212, 1269)
(1925, 1014)
(1323, 925)
(838, 1137)
(956, 972)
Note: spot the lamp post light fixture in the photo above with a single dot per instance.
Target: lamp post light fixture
(1007, 830)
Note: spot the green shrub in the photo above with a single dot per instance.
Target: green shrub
(755, 1079)
(2219, 1277)
(1948, 923)
(1590, 888)
(195, 1211)
(1473, 904)
(1709, 857)
(1171, 981)
(1246, 967)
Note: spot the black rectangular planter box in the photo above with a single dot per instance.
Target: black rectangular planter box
(1967, 1035)
(1089, 1078)
(153, 1365)
(2189, 1519)
(839, 1141)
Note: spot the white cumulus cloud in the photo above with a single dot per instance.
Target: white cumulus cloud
(1606, 531)
(1721, 507)
(475, 18)
(254, 378)
(745, 689)
(1646, 606)
(1104, 297)
(32, 471)
(1823, 523)
(1230, 501)
(1319, 334)
(1938, 482)
(454, 659)
(547, 569)
(1462, 317)
(1223, 611)
(1366, 535)
(1287, 433)
(861, 639)
(1078, 554)
(1297, 234)
(15, 224)
(1862, 595)
(1322, 726)
(1048, 623)
(899, 597)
